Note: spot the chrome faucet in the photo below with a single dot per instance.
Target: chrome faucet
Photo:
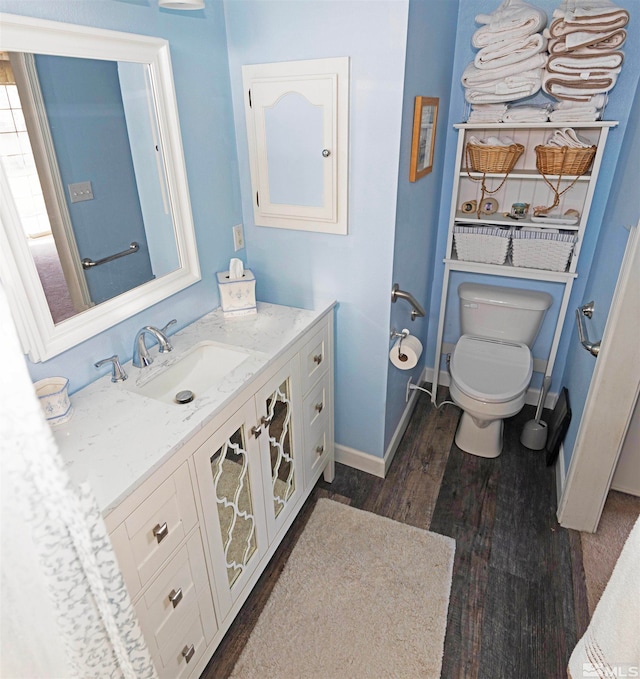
(141, 357)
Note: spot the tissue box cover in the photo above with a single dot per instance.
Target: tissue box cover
(237, 297)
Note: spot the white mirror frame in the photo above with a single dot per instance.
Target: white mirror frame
(41, 338)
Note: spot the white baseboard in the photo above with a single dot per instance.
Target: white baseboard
(359, 460)
(402, 426)
(561, 474)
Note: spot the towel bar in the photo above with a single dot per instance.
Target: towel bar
(87, 263)
(397, 293)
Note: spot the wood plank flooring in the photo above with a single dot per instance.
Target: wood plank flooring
(518, 602)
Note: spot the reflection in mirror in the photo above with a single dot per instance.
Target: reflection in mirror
(95, 215)
(80, 152)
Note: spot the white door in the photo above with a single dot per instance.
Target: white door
(610, 402)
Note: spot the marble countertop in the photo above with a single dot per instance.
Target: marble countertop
(117, 438)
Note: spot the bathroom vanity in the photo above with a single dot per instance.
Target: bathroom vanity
(198, 496)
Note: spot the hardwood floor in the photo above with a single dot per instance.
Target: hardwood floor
(518, 601)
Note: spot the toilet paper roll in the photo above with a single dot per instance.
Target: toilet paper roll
(406, 352)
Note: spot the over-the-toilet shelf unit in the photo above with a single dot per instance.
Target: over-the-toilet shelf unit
(523, 185)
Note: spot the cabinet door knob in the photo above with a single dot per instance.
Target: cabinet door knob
(265, 421)
(319, 407)
(256, 431)
(326, 153)
(175, 596)
(317, 359)
(161, 531)
(187, 652)
(319, 450)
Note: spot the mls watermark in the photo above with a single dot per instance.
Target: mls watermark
(608, 671)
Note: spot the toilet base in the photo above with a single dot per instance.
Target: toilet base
(480, 441)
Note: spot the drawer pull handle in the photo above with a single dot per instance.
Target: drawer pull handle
(161, 531)
(187, 652)
(175, 597)
(319, 407)
(319, 450)
(265, 421)
(256, 431)
(317, 359)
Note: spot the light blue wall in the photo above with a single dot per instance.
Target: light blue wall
(89, 131)
(620, 101)
(199, 57)
(429, 61)
(295, 267)
(623, 211)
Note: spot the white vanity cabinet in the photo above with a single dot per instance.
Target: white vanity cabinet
(193, 539)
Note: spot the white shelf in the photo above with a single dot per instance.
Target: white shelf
(529, 126)
(526, 174)
(498, 219)
(510, 270)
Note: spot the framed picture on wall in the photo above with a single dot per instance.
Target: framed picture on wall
(425, 116)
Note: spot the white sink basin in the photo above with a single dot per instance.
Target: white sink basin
(197, 371)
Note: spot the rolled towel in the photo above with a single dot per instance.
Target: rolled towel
(575, 88)
(475, 77)
(507, 52)
(610, 43)
(527, 114)
(512, 20)
(580, 64)
(567, 136)
(490, 141)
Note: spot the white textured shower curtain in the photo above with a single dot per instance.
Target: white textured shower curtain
(65, 612)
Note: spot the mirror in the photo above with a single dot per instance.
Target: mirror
(95, 212)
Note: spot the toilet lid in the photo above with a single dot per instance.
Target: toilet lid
(491, 370)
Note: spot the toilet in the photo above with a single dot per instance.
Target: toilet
(491, 365)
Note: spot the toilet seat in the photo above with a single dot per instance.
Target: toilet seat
(491, 370)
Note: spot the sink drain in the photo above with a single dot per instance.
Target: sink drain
(185, 396)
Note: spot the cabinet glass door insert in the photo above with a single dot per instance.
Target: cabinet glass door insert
(283, 481)
(230, 469)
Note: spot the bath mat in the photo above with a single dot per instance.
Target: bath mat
(361, 596)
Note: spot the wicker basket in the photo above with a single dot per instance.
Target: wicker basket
(563, 160)
(542, 249)
(485, 244)
(498, 159)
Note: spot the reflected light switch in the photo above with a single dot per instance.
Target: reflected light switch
(80, 191)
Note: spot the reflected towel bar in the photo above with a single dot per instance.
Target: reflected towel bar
(89, 263)
(586, 310)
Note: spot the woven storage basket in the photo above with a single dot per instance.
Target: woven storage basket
(542, 249)
(498, 159)
(485, 244)
(562, 160)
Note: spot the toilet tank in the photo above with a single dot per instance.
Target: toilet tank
(502, 313)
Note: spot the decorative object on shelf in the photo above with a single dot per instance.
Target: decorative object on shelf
(491, 155)
(425, 118)
(52, 392)
(469, 206)
(484, 244)
(565, 153)
(512, 55)
(488, 206)
(533, 248)
(519, 209)
(584, 57)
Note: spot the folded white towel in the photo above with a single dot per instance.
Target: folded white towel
(576, 88)
(611, 42)
(475, 77)
(567, 136)
(577, 116)
(487, 113)
(577, 64)
(508, 89)
(527, 114)
(507, 52)
(588, 10)
(597, 101)
(514, 19)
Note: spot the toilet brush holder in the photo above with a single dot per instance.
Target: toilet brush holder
(534, 435)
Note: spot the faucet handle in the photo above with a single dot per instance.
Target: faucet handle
(168, 346)
(118, 374)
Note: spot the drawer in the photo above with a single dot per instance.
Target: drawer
(317, 404)
(179, 661)
(176, 598)
(147, 537)
(318, 445)
(314, 358)
(318, 442)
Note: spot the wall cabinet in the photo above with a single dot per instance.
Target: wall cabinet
(524, 184)
(297, 115)
(194, 538)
